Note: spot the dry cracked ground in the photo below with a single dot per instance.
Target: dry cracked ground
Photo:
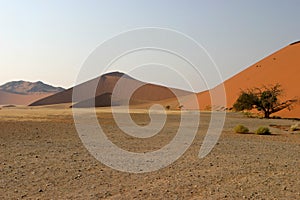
(42, 157)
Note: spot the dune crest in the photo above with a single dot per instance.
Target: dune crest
(105, 85)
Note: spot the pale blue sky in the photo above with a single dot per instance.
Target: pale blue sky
(49, 40)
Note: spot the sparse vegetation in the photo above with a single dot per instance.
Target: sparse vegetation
(31, 128)
(250, 115)
(208, 108)
(168, 107)
(263, 131)
(265, 100)
(295, 127)
(241, 129)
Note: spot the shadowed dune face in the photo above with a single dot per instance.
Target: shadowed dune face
(102, 100)
(106, 85)
(20, 99)
(281, 67)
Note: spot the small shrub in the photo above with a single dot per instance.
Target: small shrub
(208, 107)
(241, 129)
(248, 114)
(295, 127)
(168, 107)
(263, 131)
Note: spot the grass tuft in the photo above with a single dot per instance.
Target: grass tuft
(263, 131)
(241, 129)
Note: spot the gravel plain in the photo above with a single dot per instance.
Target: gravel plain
(42, 157)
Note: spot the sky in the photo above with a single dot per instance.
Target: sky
(50, 40)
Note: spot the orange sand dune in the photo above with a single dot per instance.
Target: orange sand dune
(20, 99)
(281, 67)
(105, 85)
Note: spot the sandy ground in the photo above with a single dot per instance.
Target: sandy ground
(42, 157)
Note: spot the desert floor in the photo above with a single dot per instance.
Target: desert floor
(42, 157)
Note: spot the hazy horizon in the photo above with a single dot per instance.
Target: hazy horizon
(49, 41)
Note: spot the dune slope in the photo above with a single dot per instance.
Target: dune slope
(281, 67)
(20, 99)
(106, 85)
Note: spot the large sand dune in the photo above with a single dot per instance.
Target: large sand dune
(20, 99)
(281, 67)
(105, 85)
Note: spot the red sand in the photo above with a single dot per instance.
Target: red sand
(106, 84)
(19, 99)
(281, 67)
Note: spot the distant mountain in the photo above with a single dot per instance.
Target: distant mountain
(25, 87)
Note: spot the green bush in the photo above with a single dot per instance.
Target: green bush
(241, 129)
(263, 131)
(295, 127)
